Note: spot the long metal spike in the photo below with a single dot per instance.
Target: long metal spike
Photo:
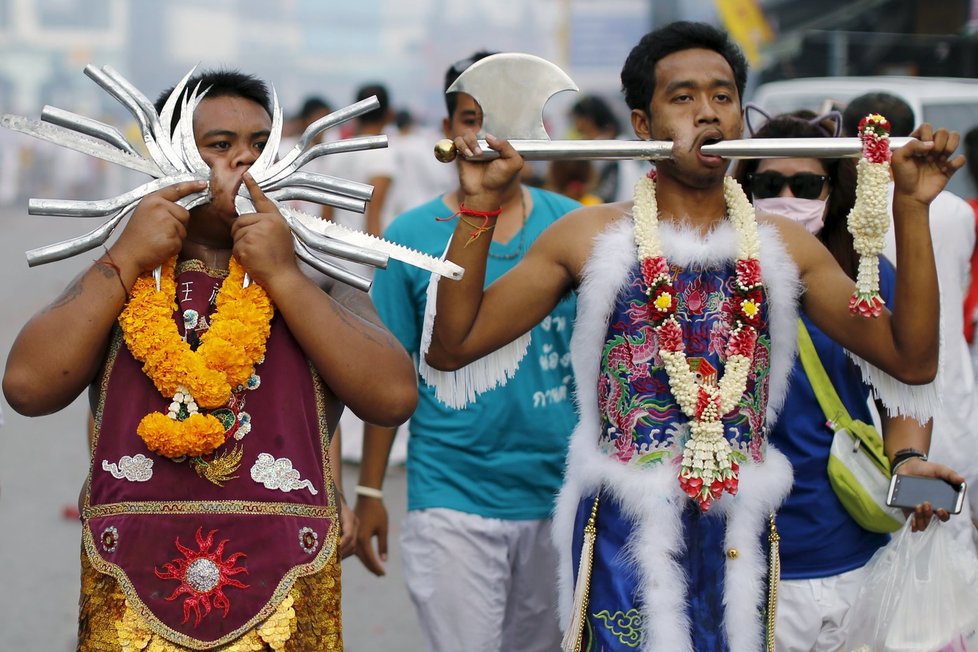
(270, 153)
(335, 118)
(149, 110)
(80, 143)
(166, 115)
(325, 149)
(100, 207)
(339, 249)
(87, 126)
(120, 94)
(325, 182)
(552, 150)
(78, 245)
(185, 132)
(333, 271)
(334, 247)
(406, 255)
(318, 196)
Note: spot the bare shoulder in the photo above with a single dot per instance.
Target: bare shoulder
(796, 238)
(807, 251)
(570, 239)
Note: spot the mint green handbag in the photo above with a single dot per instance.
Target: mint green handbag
(858, 469)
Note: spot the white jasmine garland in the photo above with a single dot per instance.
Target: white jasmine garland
(869, 218)
(182, 400)
(707, 469)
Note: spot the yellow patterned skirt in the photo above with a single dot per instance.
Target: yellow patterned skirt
(308, 619)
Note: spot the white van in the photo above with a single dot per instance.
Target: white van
(941, 101)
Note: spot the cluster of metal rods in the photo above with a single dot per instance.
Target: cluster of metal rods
(174, 158)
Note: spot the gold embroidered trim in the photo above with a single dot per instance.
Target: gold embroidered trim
(135, 634)
(316, 603)
(212, 507)
(281, 592)
(196, 265)
(102, 382)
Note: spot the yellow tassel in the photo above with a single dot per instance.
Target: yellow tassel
(575, 630)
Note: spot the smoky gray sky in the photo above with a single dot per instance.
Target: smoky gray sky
(304, 47)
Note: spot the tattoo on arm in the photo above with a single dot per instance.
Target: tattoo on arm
(356, 310)
(356, 302)
(71, 293)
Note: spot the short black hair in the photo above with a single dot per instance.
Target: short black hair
(895, 109)
(313, 105)
(453, 72)
(638, 73)
(222, 83)
(403, 119)
(597, 110)
(380, 92)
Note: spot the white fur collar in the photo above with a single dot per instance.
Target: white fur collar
(607, 270)
(658, 536)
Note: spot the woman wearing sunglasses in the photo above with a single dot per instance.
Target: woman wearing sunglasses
(823, 550)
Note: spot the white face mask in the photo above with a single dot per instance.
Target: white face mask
(810, 213)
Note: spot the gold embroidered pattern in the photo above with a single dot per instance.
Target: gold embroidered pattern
(221, 467)
(307, 619)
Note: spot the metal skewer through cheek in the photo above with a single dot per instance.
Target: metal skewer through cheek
(173, 157)
(553, 150)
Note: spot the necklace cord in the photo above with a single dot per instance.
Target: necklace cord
(519, 245)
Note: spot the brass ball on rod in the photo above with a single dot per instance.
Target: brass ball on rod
(445, 150)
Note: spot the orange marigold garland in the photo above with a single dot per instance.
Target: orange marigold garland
(205, 378)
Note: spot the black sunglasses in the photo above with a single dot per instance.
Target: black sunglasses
(803, 185)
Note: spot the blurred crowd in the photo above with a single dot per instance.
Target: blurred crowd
(405, 175)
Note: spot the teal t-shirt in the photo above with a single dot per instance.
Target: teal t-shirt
(503, 456)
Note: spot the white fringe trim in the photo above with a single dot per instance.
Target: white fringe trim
(459, 388)
(922, 402)
(652, 497)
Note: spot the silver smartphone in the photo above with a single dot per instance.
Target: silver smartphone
(911, 490)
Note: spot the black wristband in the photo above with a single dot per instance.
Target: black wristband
(905, 454)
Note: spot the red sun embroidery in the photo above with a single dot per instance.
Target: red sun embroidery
(203, 575)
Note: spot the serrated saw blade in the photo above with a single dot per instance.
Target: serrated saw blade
(79, 142)
(404, 254)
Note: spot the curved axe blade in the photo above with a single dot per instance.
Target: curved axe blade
(512, 88)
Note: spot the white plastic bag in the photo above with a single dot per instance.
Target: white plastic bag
(920, 595)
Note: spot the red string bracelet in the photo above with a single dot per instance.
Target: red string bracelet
(469, 212)
(479, 229)
(115, 268)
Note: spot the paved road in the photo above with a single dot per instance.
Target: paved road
(43, 462)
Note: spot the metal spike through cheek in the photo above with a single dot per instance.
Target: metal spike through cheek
(173, 157)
